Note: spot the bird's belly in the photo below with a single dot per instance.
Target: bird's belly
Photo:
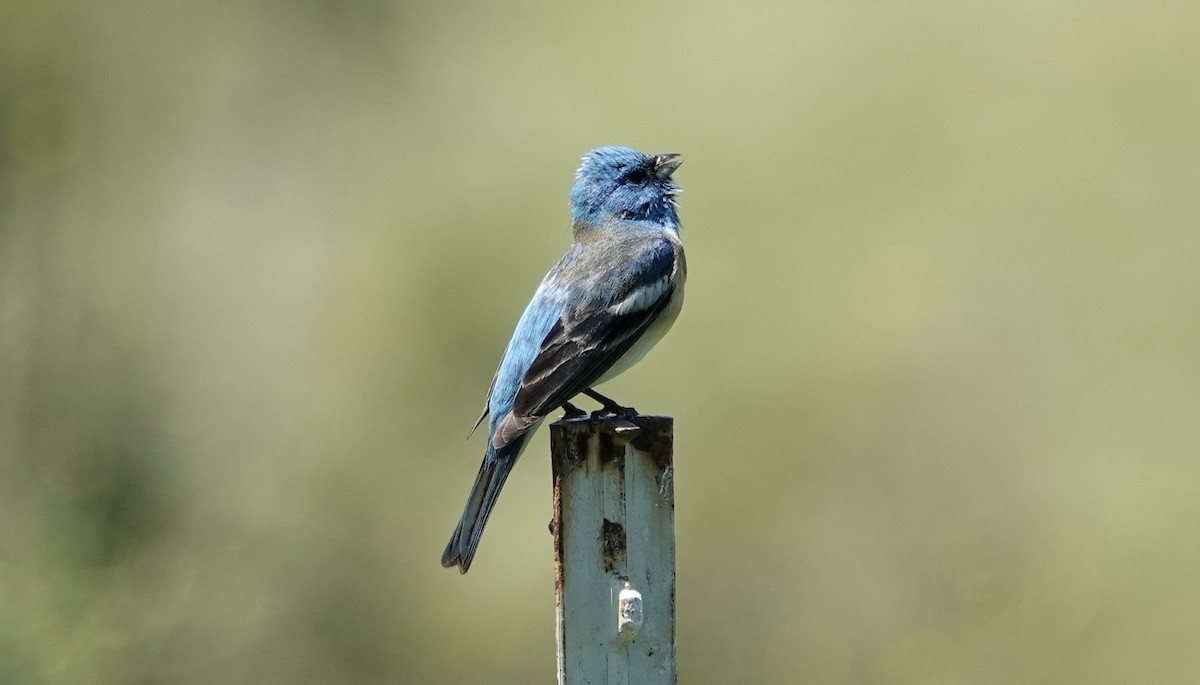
(653, 334)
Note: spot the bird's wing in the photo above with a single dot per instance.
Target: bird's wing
(589, 337)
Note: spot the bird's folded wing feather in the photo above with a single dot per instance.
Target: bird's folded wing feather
(487, 405)
(588, 338)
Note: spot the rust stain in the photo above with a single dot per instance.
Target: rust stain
(556, 529)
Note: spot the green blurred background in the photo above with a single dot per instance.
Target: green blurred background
(937, 381)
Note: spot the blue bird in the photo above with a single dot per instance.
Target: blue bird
(611, 297)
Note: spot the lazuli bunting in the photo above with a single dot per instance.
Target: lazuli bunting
(610, 298)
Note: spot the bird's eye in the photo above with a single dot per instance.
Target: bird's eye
(626, 214)
(637, 177)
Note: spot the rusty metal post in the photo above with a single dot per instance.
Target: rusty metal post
(614, 550)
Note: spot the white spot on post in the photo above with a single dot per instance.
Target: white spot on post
(629, 613)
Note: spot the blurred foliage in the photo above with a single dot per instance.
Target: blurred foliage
(937, 380)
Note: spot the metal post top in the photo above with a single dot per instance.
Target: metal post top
(570, 439)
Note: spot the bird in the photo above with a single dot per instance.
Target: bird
(615, 293)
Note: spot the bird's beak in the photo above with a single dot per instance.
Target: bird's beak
(666, 164)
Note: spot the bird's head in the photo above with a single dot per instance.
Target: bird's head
(618, 184)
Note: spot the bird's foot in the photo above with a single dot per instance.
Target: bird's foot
(570, 411)
(609, 406)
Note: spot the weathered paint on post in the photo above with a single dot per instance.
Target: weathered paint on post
(614, 550)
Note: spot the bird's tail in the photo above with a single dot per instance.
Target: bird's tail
(463, 543)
